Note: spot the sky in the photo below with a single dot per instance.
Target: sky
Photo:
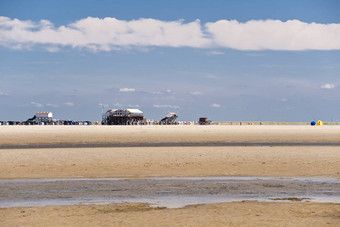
(237, 60)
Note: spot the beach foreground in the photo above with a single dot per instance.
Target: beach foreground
(169, 161)
(247, 213)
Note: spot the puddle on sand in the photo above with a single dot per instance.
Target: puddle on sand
(170, 192)
(179, 202)
(310, 179)
(168, 202)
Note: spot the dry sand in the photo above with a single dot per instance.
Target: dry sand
(137, 134)
(170, 162)
(309, 161)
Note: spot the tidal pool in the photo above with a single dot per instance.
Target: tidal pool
(171, 192)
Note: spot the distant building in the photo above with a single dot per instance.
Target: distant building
(204, 121)
(40, 118)
(44, 116)
(123, 117)
(170, 118)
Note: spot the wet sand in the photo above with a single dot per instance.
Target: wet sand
(270, 161)
(246, 213)
(169, 192)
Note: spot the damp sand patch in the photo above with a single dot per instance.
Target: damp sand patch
(166, 192)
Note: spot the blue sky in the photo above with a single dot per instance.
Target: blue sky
(226, 60)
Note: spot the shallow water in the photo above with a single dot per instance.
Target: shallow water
(172, 144)
(166, 192)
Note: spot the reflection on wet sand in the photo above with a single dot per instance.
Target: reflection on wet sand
(167, 192)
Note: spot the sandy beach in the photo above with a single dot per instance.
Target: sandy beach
(170, 161)
(157, 134)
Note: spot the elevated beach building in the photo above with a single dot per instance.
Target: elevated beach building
(123, 117)
(44, 116)
(40, 118)
(170, 118)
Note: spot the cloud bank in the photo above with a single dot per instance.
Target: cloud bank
(107, 34)
(275, 35)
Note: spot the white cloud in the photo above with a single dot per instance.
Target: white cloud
(327, 86)
(53, 49)
(195, 93)
(215, 53)
(107, 34)
(215, 105)
(2, 93)
(117, 104)
(37, 104)
(284, 100)
(162, 92)
(103, 34)
(166, 106)
(52, 105)
(133, 106)
(103, 105)
(127, 90)
(69, 103)
(274, 35)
